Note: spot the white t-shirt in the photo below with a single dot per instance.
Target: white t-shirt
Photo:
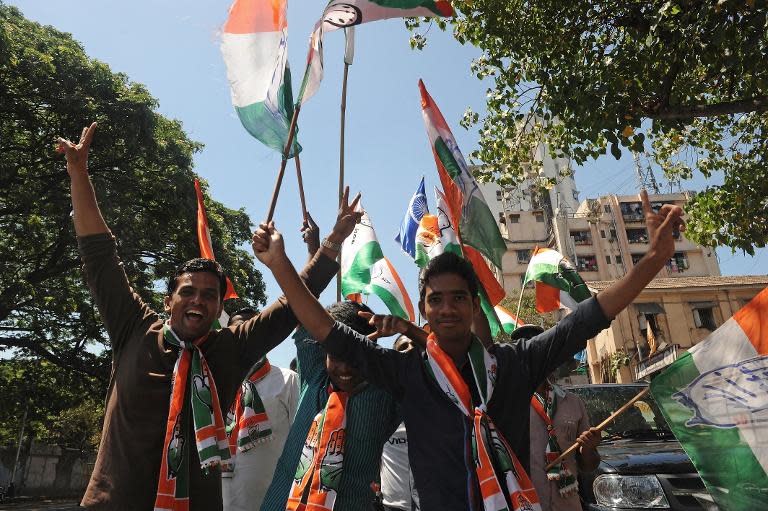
(397, 486)
(245, 487)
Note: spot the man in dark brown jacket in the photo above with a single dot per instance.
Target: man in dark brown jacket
(126, 473)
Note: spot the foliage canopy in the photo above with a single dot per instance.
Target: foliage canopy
(683, 81)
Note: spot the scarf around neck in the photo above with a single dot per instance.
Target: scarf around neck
(210, 436)
(546, 408)
(247, 420)
(318, 475)
(510, 485)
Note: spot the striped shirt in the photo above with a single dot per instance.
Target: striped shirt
(372, 417)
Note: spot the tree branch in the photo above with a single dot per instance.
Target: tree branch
(684, 112)
(36, 348)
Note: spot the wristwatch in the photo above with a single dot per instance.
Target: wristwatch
(331, 245)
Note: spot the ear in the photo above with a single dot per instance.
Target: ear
(476, 309)
(167, 303)
(221, 308)
(422, 310)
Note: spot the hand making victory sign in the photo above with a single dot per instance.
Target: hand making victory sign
(77, 154)
(662, 226)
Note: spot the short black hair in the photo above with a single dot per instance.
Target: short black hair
(346, 312)
(448, 262)
(197, 265)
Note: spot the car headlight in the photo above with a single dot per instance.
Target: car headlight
(629, 491)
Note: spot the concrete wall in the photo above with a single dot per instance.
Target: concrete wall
(47, 470)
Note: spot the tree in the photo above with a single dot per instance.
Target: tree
(685, 81)
(141, 165)
(528, 313)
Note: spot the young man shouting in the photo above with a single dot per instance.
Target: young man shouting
(466, 408)
(172, 381)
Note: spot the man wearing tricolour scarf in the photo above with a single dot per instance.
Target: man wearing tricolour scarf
(172, 381)
(466, 408)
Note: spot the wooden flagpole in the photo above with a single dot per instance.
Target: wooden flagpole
(301, 187)
(601, 426)
(281, 173)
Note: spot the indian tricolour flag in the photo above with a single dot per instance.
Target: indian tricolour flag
(349, 13)
(254, 45)
(715, 399)
(508, 320)
(477, 225)
(386, 284)
(558, 284)
(359, 252)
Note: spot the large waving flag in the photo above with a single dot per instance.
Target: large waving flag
(715, 399)
(477, 227)
(417, 208)
(254, 45)
(349, 13)
(558, 284)
(359, 252)
(206, 251)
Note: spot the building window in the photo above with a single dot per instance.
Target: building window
(636, 258)
(607, 208)
(514, 218)
(523, 256)
(581, 237)
(632, 211)
(502, 221)
(602, 233)
(576, 195)
(618, 259)
(587, 263)
(637, 235)
(498, 195)
(704, 316)
(608, 259)
(650, 331)
(613, 234)
(678, 263)
(539, 216)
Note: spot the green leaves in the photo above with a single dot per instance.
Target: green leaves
(588, 78)
(141, 165)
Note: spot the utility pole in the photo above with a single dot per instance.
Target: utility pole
(21, 439)
(645, 177)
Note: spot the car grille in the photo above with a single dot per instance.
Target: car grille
(686, 492)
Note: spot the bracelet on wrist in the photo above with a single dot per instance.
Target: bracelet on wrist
(331, 245)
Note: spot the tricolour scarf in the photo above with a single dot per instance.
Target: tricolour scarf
(316, 483)
(546, 409)
(511, 486)
(247, 421)
(210, 437)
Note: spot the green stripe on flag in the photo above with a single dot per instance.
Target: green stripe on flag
(358, 276)
(392, 303)
(725, 462)
(490, 313)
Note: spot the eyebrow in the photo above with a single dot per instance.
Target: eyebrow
(453, 292)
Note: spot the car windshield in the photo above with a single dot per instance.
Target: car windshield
(642, 421)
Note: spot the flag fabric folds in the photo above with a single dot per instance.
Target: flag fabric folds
(508, 320)
(206, 247)
(558, 284)
(714, 399)
(365, 270)
(417, 208)
(349, 13)
(254, 44)
(484, 233)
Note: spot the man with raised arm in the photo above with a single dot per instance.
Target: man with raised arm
(466, 408)
(172, 381)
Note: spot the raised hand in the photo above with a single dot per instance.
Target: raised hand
(310, 233)
(662, 226)
(346, 219)
(385, 325)
(267, 244)
(77, 154)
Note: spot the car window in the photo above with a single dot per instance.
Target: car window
(642, 420)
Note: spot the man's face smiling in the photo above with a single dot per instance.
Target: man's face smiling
(449, 307)
(194, 304)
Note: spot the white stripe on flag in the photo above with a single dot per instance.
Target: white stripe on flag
(250, 61)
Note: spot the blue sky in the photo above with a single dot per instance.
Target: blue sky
(173, 48)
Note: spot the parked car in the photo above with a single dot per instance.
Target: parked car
(642, 465)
